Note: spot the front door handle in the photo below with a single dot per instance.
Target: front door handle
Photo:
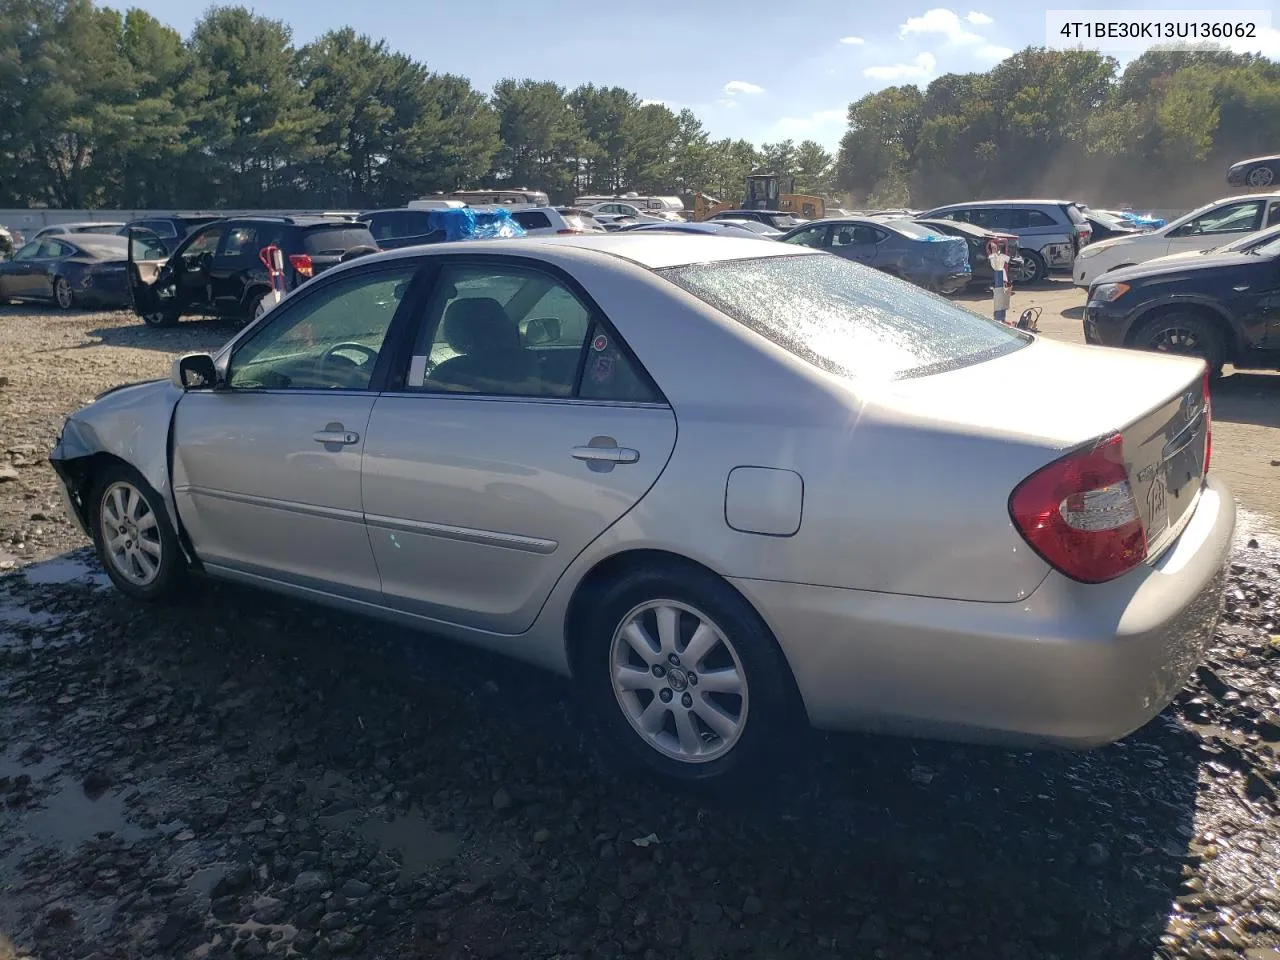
(606, 454)
(332, 434)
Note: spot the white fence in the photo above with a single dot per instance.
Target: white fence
(29, 221)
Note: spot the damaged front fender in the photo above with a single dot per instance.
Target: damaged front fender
(132, 424)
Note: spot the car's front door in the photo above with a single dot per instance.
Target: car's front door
(1222, 224)
(24, 275)
(192, 267)
(522, 429)
(266, 469)
(237, 265)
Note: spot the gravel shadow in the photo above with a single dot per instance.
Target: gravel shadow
(1248, 398)
(860, 844)
(193, 334)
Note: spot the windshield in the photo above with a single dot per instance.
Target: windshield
(1269, 249)
(847, 319)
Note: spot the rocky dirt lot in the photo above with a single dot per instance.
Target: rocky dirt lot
(238, 775)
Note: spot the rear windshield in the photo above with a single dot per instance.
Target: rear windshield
(916, 230)
(336, 239)
(846, 318)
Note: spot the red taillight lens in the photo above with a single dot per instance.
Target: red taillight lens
(301, 263)
(1080, 515)
(1208, 421)
(568, 231)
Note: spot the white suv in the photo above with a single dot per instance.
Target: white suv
(1212, 225)
(540, 221)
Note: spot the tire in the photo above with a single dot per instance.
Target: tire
(160, 318)
(1033, 269)
(256, 307)
(741, 651)
(1261, 176)
(141, 555)
(63, 298)
(1181, 332)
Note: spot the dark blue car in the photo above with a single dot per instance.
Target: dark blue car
(905, 249)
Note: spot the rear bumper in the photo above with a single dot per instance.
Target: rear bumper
(1072, 665)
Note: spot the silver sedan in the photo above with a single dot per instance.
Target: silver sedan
(723, 484)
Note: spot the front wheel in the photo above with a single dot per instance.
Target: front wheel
(131, 531)
(1188, 334)
(1032, 270)
(684, 675)
(160, 318)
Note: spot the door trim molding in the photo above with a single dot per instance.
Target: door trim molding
(288, 506)
(488, 538)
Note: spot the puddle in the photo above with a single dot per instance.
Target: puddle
(414, 842)
(67, 816)
(65, 570)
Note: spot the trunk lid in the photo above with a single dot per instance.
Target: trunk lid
(1059, 396)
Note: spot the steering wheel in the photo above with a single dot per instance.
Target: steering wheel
(370, 355)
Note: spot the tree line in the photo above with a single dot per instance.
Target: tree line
(1071, 124)
(100, 108)
(106, 109)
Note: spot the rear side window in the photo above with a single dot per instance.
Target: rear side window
(531, 219)
(335, 240)
(1038, 218)
(845, 318)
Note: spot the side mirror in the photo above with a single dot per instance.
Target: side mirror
(542, 330)
(195, 371)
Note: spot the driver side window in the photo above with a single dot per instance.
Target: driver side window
(809, 237)
(206, 241)
(328, 341)
(1233, 218)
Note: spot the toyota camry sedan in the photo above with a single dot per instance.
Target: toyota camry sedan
(727, 486)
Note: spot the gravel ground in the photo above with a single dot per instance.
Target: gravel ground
(239, 775)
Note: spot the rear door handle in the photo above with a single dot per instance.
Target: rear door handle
(606, 454)
(344, 437)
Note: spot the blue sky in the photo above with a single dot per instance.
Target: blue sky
(762, 71)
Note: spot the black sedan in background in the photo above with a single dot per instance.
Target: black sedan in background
(1105, 227)
(1222, 307)
(74, 270)
(977, 239)
(1255, 172)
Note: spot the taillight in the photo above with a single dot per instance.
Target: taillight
(1080, 515)
(301, 264)
(567, 231)
(1208, 420)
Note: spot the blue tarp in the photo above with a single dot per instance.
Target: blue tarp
(464, 223)
(1147, 220)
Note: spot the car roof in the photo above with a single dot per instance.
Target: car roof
(648, 248)
(305, 222)
(82, 223)
(1030, 202)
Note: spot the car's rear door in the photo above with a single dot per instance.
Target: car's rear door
(522, 428)
(266, 470)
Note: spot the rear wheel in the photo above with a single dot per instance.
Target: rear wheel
(62, 294)
(131, 532)
(1188, 334)
(684, 675)
(1032, 270)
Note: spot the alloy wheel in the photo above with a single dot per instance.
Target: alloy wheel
(1175, 339)
(1260, 177)
(679, 681)
(62, 293)
(130, 533)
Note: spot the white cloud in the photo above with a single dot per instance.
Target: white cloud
(978, 19)
(989, 51)
(855, 41)
(940, 21)
(918, 69)
(819, 125)
(727, 103)
(741, 86)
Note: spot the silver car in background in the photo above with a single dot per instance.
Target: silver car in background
(725, 485)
